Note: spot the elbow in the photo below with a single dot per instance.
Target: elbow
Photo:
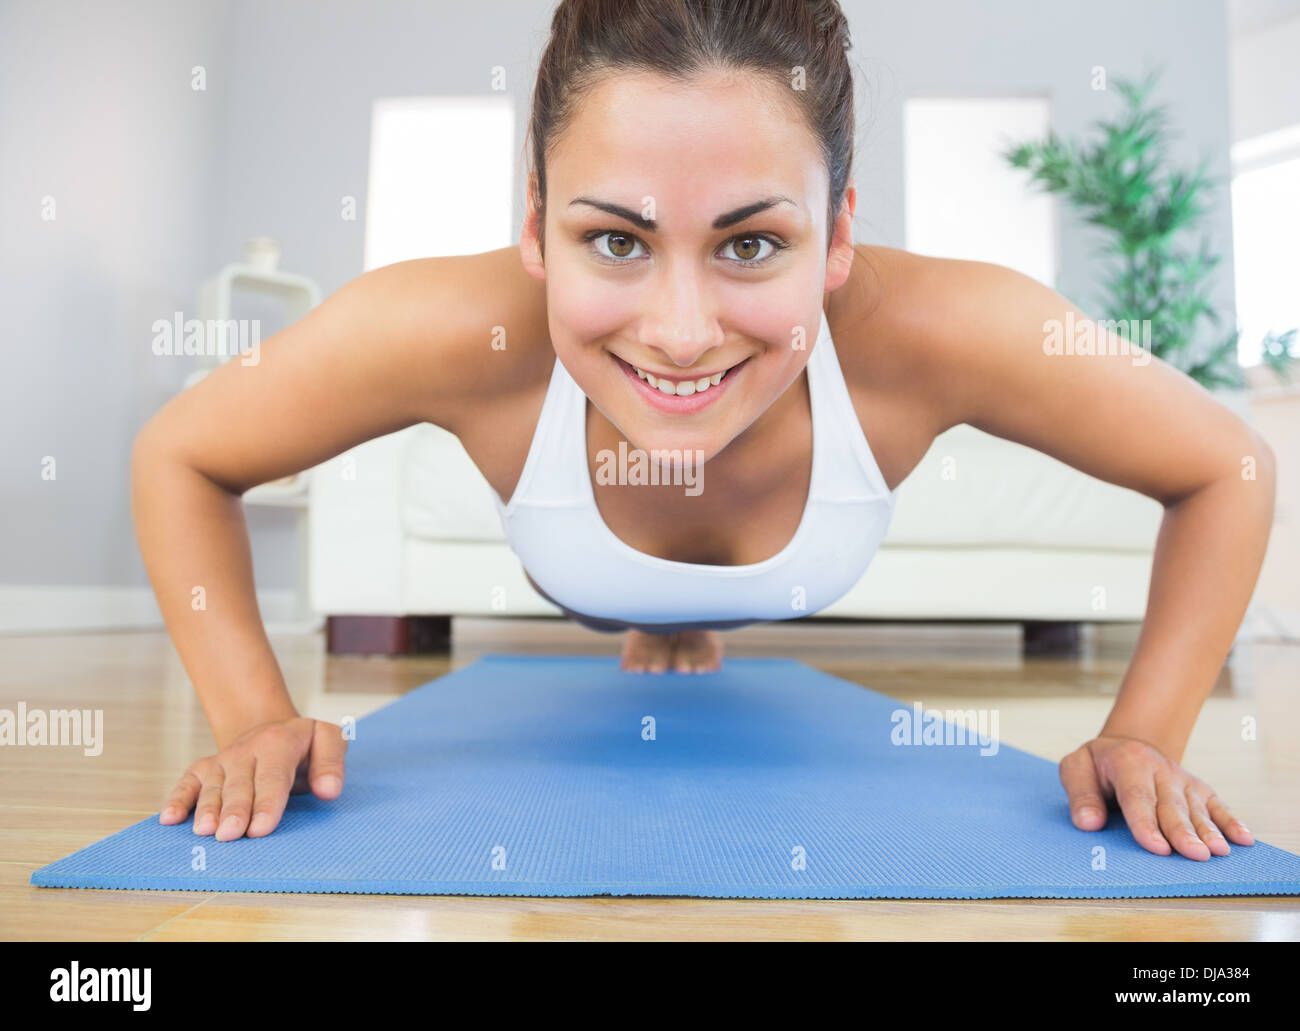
(159, 456)
(149, 456)
(1259, 467)
(144, 448)
(1265, 460)
(144, 462)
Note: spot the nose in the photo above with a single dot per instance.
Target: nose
(681, 324)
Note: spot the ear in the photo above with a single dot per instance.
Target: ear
(530, 237)
(839, 260)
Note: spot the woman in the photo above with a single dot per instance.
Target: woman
(686, 289)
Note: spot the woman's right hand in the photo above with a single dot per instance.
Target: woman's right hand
(251, 778)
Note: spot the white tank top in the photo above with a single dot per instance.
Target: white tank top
(555, 529)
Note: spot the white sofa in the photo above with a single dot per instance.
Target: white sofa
(984, 529)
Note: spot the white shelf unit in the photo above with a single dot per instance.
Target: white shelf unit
(299, 295)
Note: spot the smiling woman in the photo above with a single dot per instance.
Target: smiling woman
(682, 306)
(686, 288)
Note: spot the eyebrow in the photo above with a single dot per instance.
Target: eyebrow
(724, 221)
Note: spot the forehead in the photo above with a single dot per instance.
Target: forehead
(721, 136)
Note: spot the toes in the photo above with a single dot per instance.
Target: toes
(691, 651)
(633, 660)
(646, 653)
(698, 651)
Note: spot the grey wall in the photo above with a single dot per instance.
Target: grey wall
(304, 75)
(157, 185)
(1027, 47)
(1265, 87)
(96, 111)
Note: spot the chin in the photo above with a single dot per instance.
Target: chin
(672, 444)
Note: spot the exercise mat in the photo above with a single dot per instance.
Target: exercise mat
(564, 776)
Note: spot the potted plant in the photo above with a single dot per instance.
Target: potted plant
(1160, 258)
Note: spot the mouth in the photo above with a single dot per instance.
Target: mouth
(680, 395)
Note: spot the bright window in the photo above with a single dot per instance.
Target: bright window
(963, 200)
(441, 177)
(1266, 238)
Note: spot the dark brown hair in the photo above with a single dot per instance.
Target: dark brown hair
(681, 38)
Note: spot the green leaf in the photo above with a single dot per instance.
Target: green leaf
(1147, 212)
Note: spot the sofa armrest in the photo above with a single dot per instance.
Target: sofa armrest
(356, 538)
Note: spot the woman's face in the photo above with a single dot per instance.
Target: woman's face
(686, 243)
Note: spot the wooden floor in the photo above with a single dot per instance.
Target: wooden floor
(56, 800)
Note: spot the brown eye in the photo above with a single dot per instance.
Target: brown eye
(615, 248)
(620, 246)
(748, 248)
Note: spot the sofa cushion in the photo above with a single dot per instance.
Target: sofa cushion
(444, 496)
(973, 489)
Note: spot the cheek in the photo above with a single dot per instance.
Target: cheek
(787, 335)
(590, 313)
(582, 320)
(775, 311)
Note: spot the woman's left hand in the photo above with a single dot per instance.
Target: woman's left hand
(1163, 803)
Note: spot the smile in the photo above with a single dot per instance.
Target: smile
(680, 387)
(680, 395)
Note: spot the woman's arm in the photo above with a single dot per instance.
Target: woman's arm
(402, 344)
(1130, 419)
(397, 346)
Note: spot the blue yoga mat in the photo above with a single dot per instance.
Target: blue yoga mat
(520, 775)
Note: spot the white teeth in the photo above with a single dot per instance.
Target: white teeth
(683, 389)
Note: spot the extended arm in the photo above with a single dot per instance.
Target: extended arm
(1126, 417)
(397, 346)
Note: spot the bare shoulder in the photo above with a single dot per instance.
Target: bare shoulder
(454, 341)
(932, 343)
(467, 330)
(920, 327)
(900, 323)
(478, 351)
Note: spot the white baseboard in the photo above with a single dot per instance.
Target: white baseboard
(34, 609)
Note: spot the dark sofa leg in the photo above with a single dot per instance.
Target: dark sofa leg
(1046, 637)
(388, 635)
